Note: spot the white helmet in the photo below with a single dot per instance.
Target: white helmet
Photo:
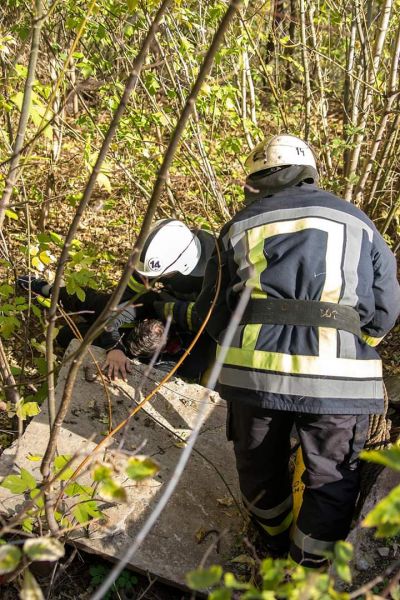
(279, 151)
(170, 247)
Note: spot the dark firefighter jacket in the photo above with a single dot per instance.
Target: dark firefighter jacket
(302, 243)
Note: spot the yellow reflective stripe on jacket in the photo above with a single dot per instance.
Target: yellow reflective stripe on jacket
(250, 336)
(286, 523)
(256, 237)
(371, 341)
(189, 311)
(136, 286)
(333, 278)
(258, 260)
(45, 302)
(303, 365)
(169, 309)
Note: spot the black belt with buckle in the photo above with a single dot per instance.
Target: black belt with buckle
(309, 313)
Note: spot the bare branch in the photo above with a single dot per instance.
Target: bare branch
(159, 184)
(25, 108)
(130, 86)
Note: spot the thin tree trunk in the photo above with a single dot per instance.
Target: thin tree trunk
(347, 91)
(383, 162)
(368, 97)
(131, 84)
(25, 108)
(152, 206)
(392, 95)
(306, 68)
(323, 100)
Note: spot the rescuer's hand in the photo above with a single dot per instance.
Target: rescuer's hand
(117, 365)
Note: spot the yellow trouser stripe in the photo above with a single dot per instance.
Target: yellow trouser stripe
(371, 341)
(303, 365)
(278, 528)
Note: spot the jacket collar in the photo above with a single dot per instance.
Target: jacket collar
(259, 186)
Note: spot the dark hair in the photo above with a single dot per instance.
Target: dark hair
(145, 337)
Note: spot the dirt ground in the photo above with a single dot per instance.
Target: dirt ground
(83, 574)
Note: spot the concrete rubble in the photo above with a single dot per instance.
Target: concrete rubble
(202, 515)
(367, 549)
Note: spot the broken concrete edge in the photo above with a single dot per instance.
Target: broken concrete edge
(129, 567)
(196, 506)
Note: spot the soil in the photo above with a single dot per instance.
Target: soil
(84, 573)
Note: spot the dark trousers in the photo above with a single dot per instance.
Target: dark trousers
(330, 446)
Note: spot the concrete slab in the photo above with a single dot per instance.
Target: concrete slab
(200, 512)
(366, 545)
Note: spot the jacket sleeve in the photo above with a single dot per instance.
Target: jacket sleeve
(111, 337)
(386, 292)
(190, 315)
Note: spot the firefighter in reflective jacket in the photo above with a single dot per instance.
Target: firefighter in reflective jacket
(324, 294)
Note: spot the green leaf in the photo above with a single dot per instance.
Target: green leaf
(232, 583)
(344, 572)
(15, 484)
(56, 238)
(9, 558)
(386, 515)
(18, 484)
(76, 489)
(102, 472)
(80, 293)
(27, 409)
(343, 551)
(27, 524)
(44, 548)
(112, 491)
(140, 468)
(30, 588)
(59, 464)
(389, 457)
(28, 478)
(202, 579)
(36, 494)
(11, 214)
(132, 5)
(6, 290)
(86, 510)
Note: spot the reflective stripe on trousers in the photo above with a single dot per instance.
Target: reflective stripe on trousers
(274, 520)
(330, 446)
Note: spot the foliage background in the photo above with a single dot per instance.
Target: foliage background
(326, 71)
